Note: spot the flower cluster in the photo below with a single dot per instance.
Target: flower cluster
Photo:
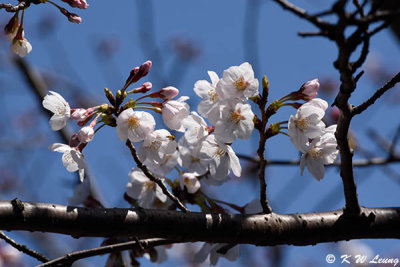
(309, 135)
(14, 29)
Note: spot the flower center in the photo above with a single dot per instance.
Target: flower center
(133, 122)
(219, 153)
(315, 153)
(149, 185)
(236, 116)
(193, 159)
(187, 181)
(212, 95)
(241, 84)
(302, 124)
(155, 145)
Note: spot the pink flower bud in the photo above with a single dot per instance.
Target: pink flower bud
(77, 3)
(86, 134)
(144, 88)
(71, 16)
(168, 93)
(138, 72)
(309, 90)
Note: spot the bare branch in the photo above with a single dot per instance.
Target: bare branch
(24, 249)
(390, 84)
(70, 258)
(264, 230)
(11, 8)
(153, 178)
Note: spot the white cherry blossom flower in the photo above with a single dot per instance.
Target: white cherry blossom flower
(322, 151)
(135, 125)
(212, 249)
(307, 123)
(196, 128)
(72, 159)
(223, 158)
(236, 121)
(238, 82)
(165, 166)
(191, 159)
(57, 104)
(21, 47)
(156, 145)
(140, 187)
(190, 181)
(174, 111)
(207, 91)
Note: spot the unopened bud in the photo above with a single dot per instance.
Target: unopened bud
(137, 73)
(109, 96)
(168, 93)
(86, 134)
(144, 88)
(265, 86)
(11, 28)
(74, 141)
(77, 3)
(71, 16)
(120, 96)
(273, 129)
(309, 90)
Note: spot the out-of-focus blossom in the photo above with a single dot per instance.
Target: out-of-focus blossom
(190, 181)
(212, 249)
(135, 125)
(140, 187)
(57, 104)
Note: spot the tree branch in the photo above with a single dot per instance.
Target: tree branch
(11, 8)
(390, 84)
(23, 248)
(70, 258)
(153, 178)
(264, 230)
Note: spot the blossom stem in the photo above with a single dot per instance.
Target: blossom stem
(101, 126)
(153, 178)
(144, 107)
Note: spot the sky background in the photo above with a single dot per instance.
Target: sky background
(116, 36)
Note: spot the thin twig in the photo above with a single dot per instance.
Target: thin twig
(70, 258)
(24, 249)
(153, 178)
(11, 8)
(394, 142)
(312, 34)
(390, 84)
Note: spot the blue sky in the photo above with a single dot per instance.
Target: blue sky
(218, 30)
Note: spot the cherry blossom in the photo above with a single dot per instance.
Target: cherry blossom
(223, 158)
(207, 91)
(140, 187)
(307, 123)
(20, 45)
(134, 125)
(77, 3)
(86, 134)
(57, 104)
(236, 121)
(174, 111)
(196, 128)
(72, 159)
(212, 249)
(238, 82)
(169, 92)
(156, 145)
(165, 166)
(322, 151)
(190, 157)
(190, 181)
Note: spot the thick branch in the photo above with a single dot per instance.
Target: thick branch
(265, 230)
(11, 8)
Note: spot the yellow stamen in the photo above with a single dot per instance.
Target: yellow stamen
(241, 84)
(236, 116)
(213, 96)
(302, 124)
(133, 122)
